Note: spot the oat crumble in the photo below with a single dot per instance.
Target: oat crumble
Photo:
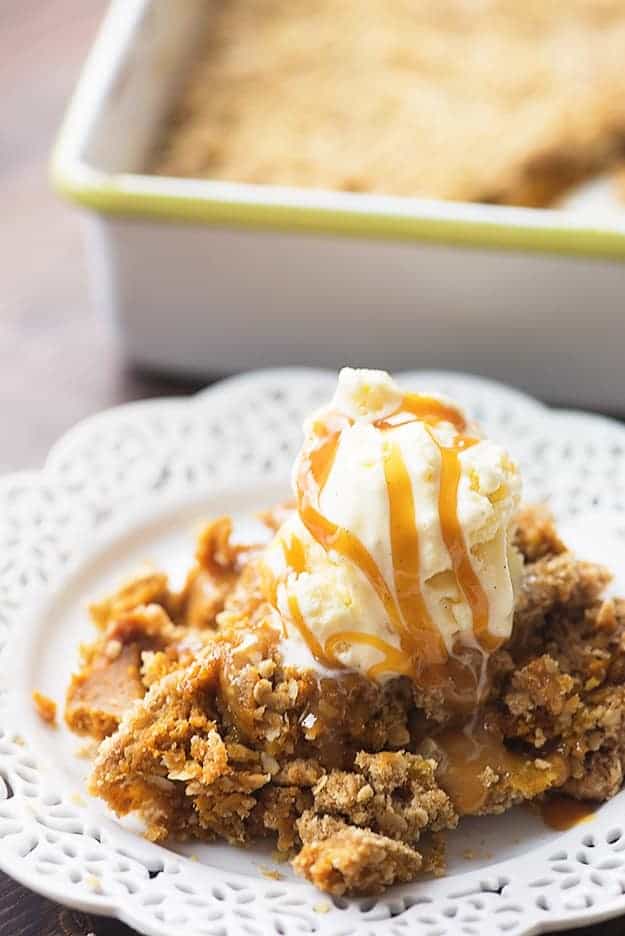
(204, 731)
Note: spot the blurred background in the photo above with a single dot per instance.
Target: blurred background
(58, 362)
(511, 114)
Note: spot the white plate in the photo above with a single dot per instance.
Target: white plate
(131, 484)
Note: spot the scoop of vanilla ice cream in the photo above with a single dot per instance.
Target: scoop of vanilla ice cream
(328, 595)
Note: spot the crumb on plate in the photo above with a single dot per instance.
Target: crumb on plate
(45, 707)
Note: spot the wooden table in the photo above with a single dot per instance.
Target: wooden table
(57, 363)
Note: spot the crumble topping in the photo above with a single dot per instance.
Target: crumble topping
(206, 732)
(503, 102)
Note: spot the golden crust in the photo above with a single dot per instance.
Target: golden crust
(356, 861)
(507, 102)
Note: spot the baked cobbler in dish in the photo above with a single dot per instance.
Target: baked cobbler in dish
(504, 101)
(411, 646)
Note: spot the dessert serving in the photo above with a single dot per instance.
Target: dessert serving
(409, 648)
(502, 101)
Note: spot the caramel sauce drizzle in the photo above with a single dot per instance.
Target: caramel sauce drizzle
(294, 554)
(394, 659)
(563, 812)
(466, 755)
(295, 557)
(418, 633)
(425, 409)
(453, 538)
(316, 466)
(315, 647)
(422, 647)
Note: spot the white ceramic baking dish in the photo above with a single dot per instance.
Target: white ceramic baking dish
(203, 277)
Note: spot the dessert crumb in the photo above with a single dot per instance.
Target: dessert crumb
(475, 854)
(45, 706)
(87, 751)
(271, 873)
(322, 907)
(279, 857)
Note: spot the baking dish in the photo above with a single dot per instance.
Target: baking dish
(205, 277)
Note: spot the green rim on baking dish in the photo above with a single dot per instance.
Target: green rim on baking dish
(127, 195)
(289, 209)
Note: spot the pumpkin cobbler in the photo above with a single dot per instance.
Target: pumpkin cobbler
(410, 647)
(501, 101)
